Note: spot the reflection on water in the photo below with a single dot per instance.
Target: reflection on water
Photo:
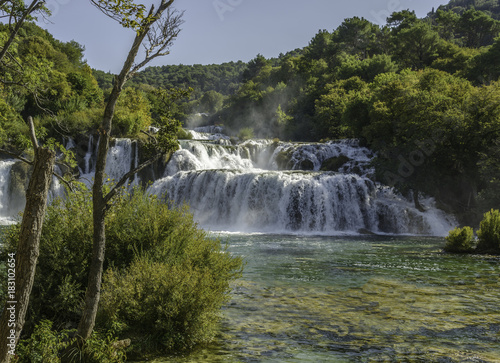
(373, 299)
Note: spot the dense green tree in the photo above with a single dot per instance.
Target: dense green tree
(485, 66)
(211, 102)
(319, 46)
(415, 45)
(357, 36)
(477, 28)
(400, 20)
(447, 23)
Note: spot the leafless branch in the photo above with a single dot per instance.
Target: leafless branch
(160, 36)
(61, 179)
(127, 176)
(16, 156)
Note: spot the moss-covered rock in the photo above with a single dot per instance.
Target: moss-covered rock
(335, 163)
(306, 164)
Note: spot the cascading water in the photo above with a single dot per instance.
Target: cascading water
(265, 186)
(122, 156)
(240, 188)
(5, 212)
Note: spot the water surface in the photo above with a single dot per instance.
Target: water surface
(358, 299)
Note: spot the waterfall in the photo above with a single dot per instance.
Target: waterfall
(244, 188)
(267, 186)
(121, 159)
(123, 155)
(89, 156)
(5, 213)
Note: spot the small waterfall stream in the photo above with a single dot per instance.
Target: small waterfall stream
(5, 212)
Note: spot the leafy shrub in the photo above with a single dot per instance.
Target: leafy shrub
(169, 279)
(42, 347)
(183, 134)
(460, 240)
(246, 133)
(489, 232)
(133, 113)
(169, 306)
(175, 304)
(74, 122)
(46, 346)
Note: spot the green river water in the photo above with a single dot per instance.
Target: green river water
(357, 299)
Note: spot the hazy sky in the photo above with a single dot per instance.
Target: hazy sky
(217, 31)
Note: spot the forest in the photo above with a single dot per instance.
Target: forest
(422, 93)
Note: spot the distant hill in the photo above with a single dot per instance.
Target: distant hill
(224, 78)
(491, 7)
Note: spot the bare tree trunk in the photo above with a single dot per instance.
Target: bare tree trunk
(14, 312)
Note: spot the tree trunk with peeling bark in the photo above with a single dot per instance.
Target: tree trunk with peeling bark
(14, 312)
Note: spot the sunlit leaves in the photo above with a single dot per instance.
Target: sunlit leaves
(126, 12)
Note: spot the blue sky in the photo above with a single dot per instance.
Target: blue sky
(217, 31)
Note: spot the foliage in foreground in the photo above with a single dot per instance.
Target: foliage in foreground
(489, 232)
(165, 279)
(461, 240)
(45, 344)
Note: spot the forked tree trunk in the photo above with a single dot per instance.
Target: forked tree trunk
(93, 292)
(100, 201)
(14, 312)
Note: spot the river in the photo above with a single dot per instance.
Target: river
(357, 299)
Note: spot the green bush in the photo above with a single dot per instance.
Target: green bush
(460, 240)
(75, 122)
(489, 232)
(183, 134)
(46, 346)
(246, 133)
(169, 280)
(175, 305)
(168, 307)
(132, 113)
